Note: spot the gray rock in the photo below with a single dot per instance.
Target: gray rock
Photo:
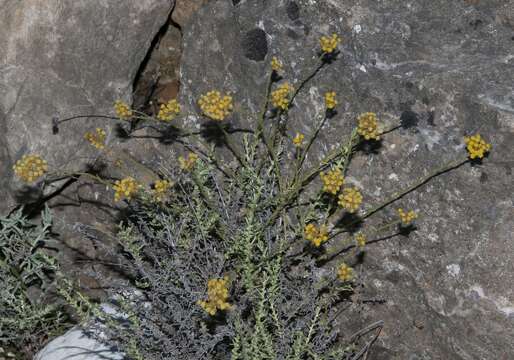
(63, 59)
(443, 67)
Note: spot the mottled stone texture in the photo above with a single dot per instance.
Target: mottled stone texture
(445, 67)
(62, 58)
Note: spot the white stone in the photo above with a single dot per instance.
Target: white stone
(76, 345)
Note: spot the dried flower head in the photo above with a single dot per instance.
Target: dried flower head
(189, 162)
(345, 273)
(122, 110)
(160, 189)
(407, 217)
(332, 180)
(476, 146)
(30, 167)
(315, 235)
(169, 110)
(298, 140)
(368, 126)
(276, 64)
(217, 292)
(330, 100)
(97, 139)
(329, 43)
(360, 239)
(125, 188)
(280, 96)
(350, 199)
(215, 106)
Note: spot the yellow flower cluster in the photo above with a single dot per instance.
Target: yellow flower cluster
(345, 273)
(298, 140)
(217, 292)
(168, 111)
(97, 139)
(407, 217)
(476, 146)
(368, 126)
(330, 100)
(30, 167)
(126, 187)
(280, 96)
(122, 110)
(160, 189)
(187, 164)
(360, 239)
(276, 64)
(215, 106)
(332, 180)
(315, 235)
(350, 199)
(329, 43)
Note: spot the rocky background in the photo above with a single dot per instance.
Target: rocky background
(444, 68)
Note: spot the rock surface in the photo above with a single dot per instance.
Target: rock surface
(63, 59)
(77, 345)
(446, 69)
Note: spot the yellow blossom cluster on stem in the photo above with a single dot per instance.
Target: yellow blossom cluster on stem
(276, 64)
(169, 110)
(477, 147)
(280, 96)
(122, 110)
(407, 217)
(125, 188)
(368, 126)
(332, 180)
(217, 292)
(30, 167)
(330, 100)
(345, 272)
(360, 239)
(315, 235)
(215, 106)
(189, 162)
(350, 199)
(329, 43)
(298, 140)
(97, 138)
(160, 189)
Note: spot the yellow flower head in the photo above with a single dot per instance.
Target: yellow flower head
(407, 217)
(30, 167)
(217, 292)
(329, 43)
(360, 239)
(122, 110)
(350, 199)
(280, 96)
(97, 139)
(298, 140)
(169, 110)
(330, 100)
(476, 146)
(315, 235)
(276, 64)
(368, 126)
(160, 189)
(187, 164)
(345, 273)
(216, 106)
(332, 180)
(125, 188)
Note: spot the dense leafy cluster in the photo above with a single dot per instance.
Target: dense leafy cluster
(27, 318)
